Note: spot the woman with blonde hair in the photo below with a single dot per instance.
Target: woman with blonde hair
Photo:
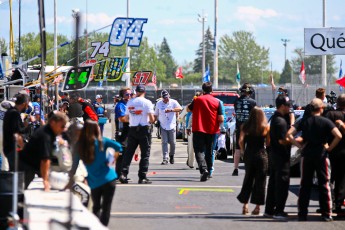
(253, 138)
(91, 147)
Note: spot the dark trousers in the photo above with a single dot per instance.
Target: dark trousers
(278, 184)
(338, 175)
(202, 144)
(254, 182)
(102, 198)
(310, 164)
(139, 135)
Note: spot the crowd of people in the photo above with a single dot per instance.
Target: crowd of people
(265, 147)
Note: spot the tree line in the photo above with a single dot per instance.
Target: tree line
(238, 48)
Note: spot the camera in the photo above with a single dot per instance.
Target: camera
(331, 98)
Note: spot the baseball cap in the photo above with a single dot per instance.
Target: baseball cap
(140, 89)
(98, 96)
(282, 100)
(165, 94)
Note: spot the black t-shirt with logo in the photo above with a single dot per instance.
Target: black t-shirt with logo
(278, 129)
(40, 147)
(316, 131)
(243, 106)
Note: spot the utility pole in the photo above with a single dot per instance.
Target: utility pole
(285, 41)
(215, 68)
(324, 60)
(203, 18)
(128, 54)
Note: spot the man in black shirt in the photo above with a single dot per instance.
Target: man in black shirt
(13, 124)
(337, 156)
(316, 131)
(279, 158)
(243, 106)
(36, 155)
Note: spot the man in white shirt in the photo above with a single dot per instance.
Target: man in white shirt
(139, 114)
(165, 112)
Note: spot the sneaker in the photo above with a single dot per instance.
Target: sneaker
(172, 161)
(280, 216)
(164, 162)
(136, 157)
(267, 215)
(235, 172)
(123, 179)
(327, 218)
(144, 181)
(204, 176)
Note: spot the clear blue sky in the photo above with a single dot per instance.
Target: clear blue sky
(269, 20)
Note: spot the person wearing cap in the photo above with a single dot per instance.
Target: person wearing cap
(316, 131)
(291, 115)
(242, 106)
(207, 117)
(122, 125)
(278, 184)
(165, 112)
(38, 112)
(140, 115)
(99, 107)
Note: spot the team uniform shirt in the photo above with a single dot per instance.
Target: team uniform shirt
(333, 116)
(98, 172)
(278, 130)
(121, 127)
(40, 147)
(37, 110)
(167, 120)
(243, 106)
(316, 132)
(137, 109)
(206, 109)
(99, 109)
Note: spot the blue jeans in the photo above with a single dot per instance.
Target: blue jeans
(168, 137)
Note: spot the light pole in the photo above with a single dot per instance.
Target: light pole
(324, 60)
(128, 54)
(215, 68)
(203, 18)
(285, 41)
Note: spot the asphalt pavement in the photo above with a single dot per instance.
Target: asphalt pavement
(178, 200)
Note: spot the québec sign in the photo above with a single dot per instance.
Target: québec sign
(322, 41)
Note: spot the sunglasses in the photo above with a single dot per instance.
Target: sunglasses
(128, 94)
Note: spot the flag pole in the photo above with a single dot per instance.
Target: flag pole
(273, 88)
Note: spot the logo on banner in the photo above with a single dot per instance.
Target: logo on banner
(141, 77)
(127, 28)
(77, 80)
(113, 68)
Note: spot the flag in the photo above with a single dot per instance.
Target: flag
(341, 81)
(154, 78)
(341, 73)
(178, 73)
(238, 76)
(206, 77)
(302, 76)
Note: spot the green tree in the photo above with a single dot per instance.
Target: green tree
(242, 48)
(164, 55)
(3, 45)
(209, 52)
(144, 57)
(30, 47)
(312, 64)
(285, 77)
